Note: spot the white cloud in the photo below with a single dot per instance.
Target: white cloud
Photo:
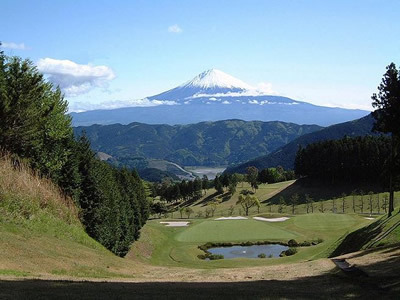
(175, 29)
(265, 88)
(14, 46)
(81, 106)
(262, 89)
(75, 79)
(226, 102)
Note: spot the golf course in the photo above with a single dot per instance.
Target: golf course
(178, 246)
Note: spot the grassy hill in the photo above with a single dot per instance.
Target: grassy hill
(206, 143)
(40, 232)
(384, 231)
(41, 238)
(285, 155)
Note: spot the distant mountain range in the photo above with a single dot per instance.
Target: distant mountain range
(212, 96)
(286, 155)
(202, 144)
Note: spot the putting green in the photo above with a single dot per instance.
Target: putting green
(234, 230)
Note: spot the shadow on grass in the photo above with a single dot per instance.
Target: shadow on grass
(321, 190)
(330, 285)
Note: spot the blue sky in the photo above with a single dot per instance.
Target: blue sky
(324, 52)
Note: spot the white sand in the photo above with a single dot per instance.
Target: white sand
(368, 218)
(175, 224)
(271, 220)
(231, 218)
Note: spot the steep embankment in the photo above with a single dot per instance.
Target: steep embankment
(384, 231)
(40, 232)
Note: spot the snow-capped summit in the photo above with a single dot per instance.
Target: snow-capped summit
(209, 82)
(214, 95)
(214, 78)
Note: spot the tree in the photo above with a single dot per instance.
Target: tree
(353, 196)
(232, 188)
(309, 201)
(248, 202)
(188, 211)
(213, 207)
(387, 118)
(252, 177)
(158, 208)
(321, 206)
(370, 201)
(293, 201)
(204, 184)
(362, 201)
(218, 185)
(385, 203)
(334, 205)
(378, 203)
(181, 211)
(281, 204)
(343, 202)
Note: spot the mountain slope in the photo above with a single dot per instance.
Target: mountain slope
(207, 143)
(285, 155)
(212, 96)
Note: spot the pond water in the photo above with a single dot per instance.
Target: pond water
(211, 172)
(249, 251)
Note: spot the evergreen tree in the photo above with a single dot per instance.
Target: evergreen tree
(387, 120)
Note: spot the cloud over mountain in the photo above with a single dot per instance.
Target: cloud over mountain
(75, 79)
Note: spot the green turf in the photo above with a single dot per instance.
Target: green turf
(178, 246)
(233, 231)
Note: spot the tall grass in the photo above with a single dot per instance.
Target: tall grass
(24, 195)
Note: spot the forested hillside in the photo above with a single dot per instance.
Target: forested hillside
(285, 155)
(35, 130)
(360, 159)
(206, 144)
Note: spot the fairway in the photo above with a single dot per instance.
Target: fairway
(325, 222)
(234, 230)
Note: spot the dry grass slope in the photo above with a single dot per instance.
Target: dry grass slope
(23, 194)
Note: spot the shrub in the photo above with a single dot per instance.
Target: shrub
(289, 252)
(262, 255)
(293, 243)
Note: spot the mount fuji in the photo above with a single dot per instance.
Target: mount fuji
(214, 95)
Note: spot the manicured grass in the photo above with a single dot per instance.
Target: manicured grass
(178, 246)
(325, 222)
(233, 231)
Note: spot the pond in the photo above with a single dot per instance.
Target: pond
(249, 251)
(211, 172)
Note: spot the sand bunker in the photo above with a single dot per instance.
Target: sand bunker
(175, 224)
(368, 218)
(272, 219)
(232, 218)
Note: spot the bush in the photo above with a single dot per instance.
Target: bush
(305, 244)
(210, 256)
(262, 255)
(293, 243)
(289, 252)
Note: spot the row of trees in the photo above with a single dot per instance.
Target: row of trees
(359, 203)
(360, 159)
(34, 127)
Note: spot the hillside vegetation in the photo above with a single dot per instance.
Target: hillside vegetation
(206, 143)
(36, 130)
(285, 156)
